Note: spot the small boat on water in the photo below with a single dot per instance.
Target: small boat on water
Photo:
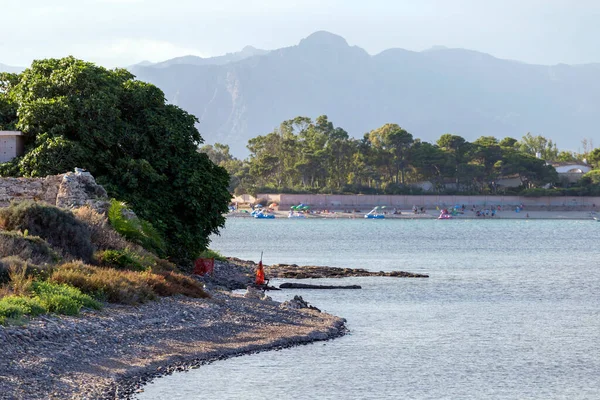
(261, 215)
(374, 214)
(445, 215)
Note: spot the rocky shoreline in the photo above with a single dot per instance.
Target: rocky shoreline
(111, 354)
(293, 271)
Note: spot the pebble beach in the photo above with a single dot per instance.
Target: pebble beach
(113, 353)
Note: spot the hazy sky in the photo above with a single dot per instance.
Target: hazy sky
(123, 32)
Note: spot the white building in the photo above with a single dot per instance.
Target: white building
(11, 145)
(571, 171)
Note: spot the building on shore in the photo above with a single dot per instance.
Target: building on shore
(11, 145)
(571, 171)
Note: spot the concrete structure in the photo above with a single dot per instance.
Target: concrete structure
(405, 202)
(11, 145)
(571, 168)
(571, 172)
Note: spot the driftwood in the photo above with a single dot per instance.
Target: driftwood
(289, 285)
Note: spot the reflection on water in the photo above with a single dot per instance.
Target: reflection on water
(511, 311)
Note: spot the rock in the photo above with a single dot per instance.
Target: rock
(70, 190)
(297, 303)
(289, 285)
(266, 298)
(253, 293)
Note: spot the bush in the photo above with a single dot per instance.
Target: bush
(20, 282)
(57, 226)
(28, 248)
(62, 298)
(126, 287)
(164, 266)
(15, 307)
(135, 229)
(119, 259)
(103, 236)
(114, 286)
(32, 270)
(172, 283)
(208, 253)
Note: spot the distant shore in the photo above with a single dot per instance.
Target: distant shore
(433, 214)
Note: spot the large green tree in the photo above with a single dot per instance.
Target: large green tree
(539, 146)
(144, 151)
(393, 145)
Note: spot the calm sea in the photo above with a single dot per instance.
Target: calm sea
(511, 311)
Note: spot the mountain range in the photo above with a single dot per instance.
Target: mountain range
(429, 93)
(441, 90)
(9, 68)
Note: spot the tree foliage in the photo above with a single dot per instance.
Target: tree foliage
(76, 114)
(303, 155)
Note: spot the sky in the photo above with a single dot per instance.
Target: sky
(123, 32)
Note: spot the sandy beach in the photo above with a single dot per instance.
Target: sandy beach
(567, 214)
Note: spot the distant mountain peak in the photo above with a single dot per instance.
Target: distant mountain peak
(10, 68)
(324, 39)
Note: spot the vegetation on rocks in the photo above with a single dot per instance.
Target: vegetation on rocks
(135, 229)
(26, 247)
(50, 273)
(58, 227)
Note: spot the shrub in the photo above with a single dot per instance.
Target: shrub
(103, 236)
(15, 307)
(32, 270)
(57, 226)
(28, 248)
(208, 253)
(114, 286)
(185, 285)
(20, 282)
(126, 287)
(171, 283)
(162, 265)
(135, 229)
(62, 298)
(119, 259)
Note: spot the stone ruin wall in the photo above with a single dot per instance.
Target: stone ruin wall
(69, 190)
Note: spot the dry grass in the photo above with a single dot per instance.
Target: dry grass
(171, 283)
(125, 287)
(114, 286)
(20, 282)
(104, 237)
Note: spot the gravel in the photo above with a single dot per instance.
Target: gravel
(111, 354)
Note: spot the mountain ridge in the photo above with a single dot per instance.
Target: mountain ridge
(429, 93)
(439, 90)
(10, 68)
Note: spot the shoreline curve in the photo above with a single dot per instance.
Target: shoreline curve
(112, 354)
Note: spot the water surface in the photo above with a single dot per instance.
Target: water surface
(511, 311)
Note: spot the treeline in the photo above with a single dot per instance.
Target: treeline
(305, 156)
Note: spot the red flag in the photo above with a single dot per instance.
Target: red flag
(260, 274)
